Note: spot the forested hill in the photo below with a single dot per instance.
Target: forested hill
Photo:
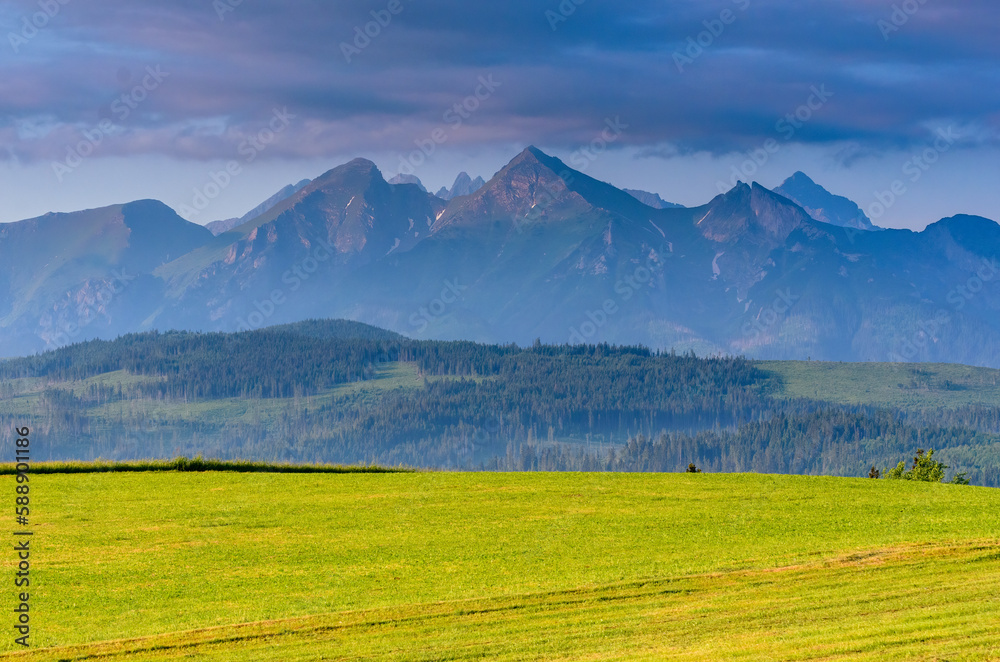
(338, 391)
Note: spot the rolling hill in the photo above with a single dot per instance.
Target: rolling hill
(343, 392)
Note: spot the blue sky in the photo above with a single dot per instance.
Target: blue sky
(108, 102)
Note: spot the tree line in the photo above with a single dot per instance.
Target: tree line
(280, 395)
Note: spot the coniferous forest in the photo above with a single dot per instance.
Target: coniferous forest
(341, 392)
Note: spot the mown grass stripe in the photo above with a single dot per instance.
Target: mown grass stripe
(719, 617)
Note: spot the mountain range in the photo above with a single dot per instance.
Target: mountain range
(538, 251)
(463, 185)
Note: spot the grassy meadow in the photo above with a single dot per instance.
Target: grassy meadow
(904, 385)
(25, 396)
(430, 566)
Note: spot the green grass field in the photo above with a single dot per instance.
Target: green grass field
(907, 385)
(431, 566)
(26, 397)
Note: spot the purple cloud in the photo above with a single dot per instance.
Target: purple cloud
(226, 76)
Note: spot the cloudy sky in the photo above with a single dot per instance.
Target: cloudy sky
(110, 101)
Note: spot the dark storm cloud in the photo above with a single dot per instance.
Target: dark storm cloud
(562, 69)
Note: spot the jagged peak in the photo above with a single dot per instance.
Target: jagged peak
(528, 155)
(357, 172)
(799, 177)
(464, 184)
(750, 209)
(594, 191)
(740, 189)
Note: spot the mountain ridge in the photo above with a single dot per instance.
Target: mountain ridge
(540, 250)
(651, 199)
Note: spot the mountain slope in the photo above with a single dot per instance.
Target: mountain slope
(651, 199)
(823, 205)
(300, 249)
(67, 277)
(893, 295)
(218, 227)
(543, 250)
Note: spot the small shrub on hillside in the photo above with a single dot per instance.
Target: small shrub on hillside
(925, 469)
